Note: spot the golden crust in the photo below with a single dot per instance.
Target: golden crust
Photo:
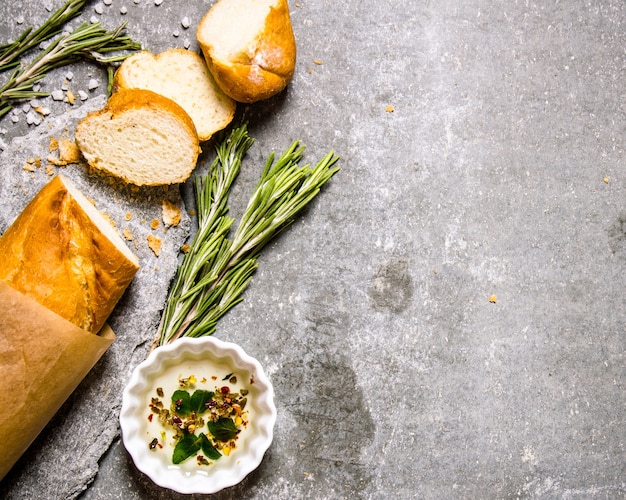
(260, 71)
(129, 99)
(153, 109)
(208, 122)
(56, 254)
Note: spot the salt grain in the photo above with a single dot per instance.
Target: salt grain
(99, 8)
(20, 20)
(123, 10)
(93, 84)
(83, 95)
(57, 95)
(93, 20)
(107, 2)
(187, 44)
(69, 75)
(185, 22)
(158, 2)
(176, 33)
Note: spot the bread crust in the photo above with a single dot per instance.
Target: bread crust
(207, 122)
(263, 68)
(56, 253)
(121, 104)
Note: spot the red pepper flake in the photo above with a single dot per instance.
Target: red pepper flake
(225, 390)
(150, 417)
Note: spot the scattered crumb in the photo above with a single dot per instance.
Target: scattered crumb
(49, 169)
(128, 235)
(185, 248)
(70, 97)
(155, 224)
(318, 62)
(68, 151)
(54, 144)
(171, 214)
(390, 108)
(155, 244)
(493, 298)
(129, 216)
(606, 180)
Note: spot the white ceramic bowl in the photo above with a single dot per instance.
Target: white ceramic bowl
(202, 357)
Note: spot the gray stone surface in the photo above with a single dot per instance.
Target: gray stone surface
(500, 171)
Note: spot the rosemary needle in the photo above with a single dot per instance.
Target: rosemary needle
(216, 270)
(11, 52)
(89, 41)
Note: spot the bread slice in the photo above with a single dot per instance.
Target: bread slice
(140, 136)
(182, 76)
(249, 47)
(61, 252)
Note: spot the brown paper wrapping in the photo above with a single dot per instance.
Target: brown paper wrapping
(43, 358)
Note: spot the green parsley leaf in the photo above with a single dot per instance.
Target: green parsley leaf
(199, 399)
(208, 449)
(224, 429)
(182, 402)
(186, 447)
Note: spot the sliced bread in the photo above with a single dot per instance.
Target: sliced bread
(61, 252)
(182, 76)
(140, 136)
(249, 47)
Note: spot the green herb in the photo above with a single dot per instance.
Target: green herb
(182, 402)
(189, 445)
(30, 38)
(200, 399)
(216, 270)
(89, 41)
(223, 429)
(208, 449)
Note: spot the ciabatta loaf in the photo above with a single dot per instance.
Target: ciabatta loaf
(140, 136)
(184, 77)
(249, 47)
(63, 253)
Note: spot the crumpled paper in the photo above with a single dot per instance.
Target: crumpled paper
(43, 358)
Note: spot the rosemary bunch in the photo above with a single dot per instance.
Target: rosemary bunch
(89, 41)
(216, 270)
(11, 52)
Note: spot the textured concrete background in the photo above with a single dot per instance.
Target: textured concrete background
(500, 170)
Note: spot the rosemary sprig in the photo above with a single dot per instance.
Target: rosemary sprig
(89, 41)
(216, 270)
(11, 52)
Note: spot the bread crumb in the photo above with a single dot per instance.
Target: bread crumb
(390, 108)
(129, 216)
(493, 298)
(154, 244)
(49, 169)
(54, 145)
(318, 62)
(56, 162)
(29, 167)
(171, 213)
(154, 224)
(68, 151)
(606, 180)
(70, 97)
(185, 248)
(128, 235)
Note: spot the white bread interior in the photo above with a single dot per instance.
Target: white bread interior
(182, 76)
(63, 253)
(140, 136)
